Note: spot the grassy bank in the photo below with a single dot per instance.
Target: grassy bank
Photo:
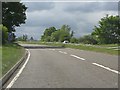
(106, 48)
(95, 49)
(10, 55)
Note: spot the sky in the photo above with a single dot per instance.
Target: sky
(81, 16)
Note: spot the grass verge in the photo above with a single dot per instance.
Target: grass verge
(11, 54)
(0, 61)
(96, 48)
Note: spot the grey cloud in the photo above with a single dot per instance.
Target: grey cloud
(38, 6)
(91, 6)
(81, 22)
(50, 19)
(34, 32)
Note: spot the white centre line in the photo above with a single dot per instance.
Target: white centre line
(77, 57)
(52, 49)
(20, 71)
(107, 68)
(63, 52)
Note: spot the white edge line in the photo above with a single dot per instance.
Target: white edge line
(20, 71)
(77, 57)
(52, 49)
(107, 68)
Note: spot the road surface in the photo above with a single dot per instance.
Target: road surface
(68, 68)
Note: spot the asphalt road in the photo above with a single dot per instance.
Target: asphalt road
(68, 68)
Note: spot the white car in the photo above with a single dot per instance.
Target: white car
(66, 42)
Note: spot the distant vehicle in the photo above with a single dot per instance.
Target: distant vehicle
(66, 42)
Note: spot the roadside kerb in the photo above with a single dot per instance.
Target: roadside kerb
(6, 77)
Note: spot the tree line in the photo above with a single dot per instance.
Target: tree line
(106, 32)
(25, 38)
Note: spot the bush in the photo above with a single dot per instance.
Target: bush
(4, 32)
(74, 40)
(87, 39)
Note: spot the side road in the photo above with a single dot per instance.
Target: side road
(7, 76)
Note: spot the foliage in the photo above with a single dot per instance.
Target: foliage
(47, 33)
(4, 33)
(65, 33)
(72, 33)
(108, 31)
(87, 39)
(74, 40)
(53, 35)
(13, 14)
(31, 38)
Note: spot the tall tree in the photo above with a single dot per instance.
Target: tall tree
(13, 14)
(65, 33)
(25, 37)
(31, 38)
(51, 34)
(108, 30)
(66, 28)
(47, 34)
(55, 36)
(62, 34)
(49, 31)
(72, 33)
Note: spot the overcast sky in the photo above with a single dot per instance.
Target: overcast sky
(81, 16)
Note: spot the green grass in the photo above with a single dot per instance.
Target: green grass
(0, 61)
(104, 48)
(108, 45)
(10, 55)
(95, 49)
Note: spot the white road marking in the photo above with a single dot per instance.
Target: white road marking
(52, 49)
(107, 68)
(77, 57)
(20, 71)
(63, 52)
